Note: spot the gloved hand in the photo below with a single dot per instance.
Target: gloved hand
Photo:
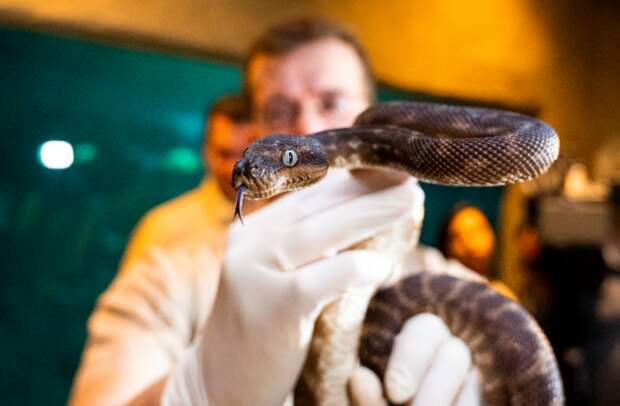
(280, 270)
(428, 366)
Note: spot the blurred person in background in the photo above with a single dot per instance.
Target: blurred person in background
(205, 211)
(468, 237)
(186, 326)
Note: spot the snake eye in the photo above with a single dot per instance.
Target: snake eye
(289, 157)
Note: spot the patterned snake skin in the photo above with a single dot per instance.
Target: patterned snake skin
(440, 144)
(508, 347)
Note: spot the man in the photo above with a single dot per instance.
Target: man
(148, 337)
(468, 237)
(204, 212)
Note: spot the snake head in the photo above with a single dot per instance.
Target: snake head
(278, 164)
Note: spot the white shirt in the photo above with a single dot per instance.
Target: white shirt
(203, 215)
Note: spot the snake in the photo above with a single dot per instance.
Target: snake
(436, 143)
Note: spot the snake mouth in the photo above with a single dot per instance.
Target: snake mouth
(248, 188)
(256, 189)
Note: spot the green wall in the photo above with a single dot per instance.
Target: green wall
(135, 119)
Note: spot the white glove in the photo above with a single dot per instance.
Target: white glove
(428, 366)
(255, 342)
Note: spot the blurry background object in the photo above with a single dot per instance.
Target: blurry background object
(567, 244)
(579, 186)
(56, 154)
(564, 221)
(468, 237)
(611, 246)
(607, 161)
(604, 346)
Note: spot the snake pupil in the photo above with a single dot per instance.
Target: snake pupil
(289, 157)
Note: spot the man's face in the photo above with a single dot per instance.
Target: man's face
(226, 142)
(318, 86)
(472, 239)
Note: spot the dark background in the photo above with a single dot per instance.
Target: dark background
(135, 120)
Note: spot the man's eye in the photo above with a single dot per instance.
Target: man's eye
(228, 154)
(333, 102)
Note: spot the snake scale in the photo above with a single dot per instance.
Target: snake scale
(436, 143)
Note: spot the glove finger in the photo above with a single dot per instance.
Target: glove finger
(289, 401)
(341, 226)
(446, 376)
(470, 394)
(323, 281)
(347, 187)
(412, 354)
(365, 388)
(338, 187)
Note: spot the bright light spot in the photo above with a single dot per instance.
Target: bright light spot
(182, 159)
(56, 154)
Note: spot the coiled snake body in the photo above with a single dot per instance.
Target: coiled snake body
(441, 144)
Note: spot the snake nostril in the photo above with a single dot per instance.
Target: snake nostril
(239, 172)
(238, 168)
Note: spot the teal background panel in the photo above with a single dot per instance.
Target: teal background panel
(135, 119)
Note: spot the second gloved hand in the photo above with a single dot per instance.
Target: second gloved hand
(427, 366)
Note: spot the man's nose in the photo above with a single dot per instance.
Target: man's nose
(309, 121)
